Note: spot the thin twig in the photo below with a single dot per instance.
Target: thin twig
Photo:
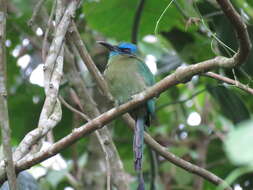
(153, 168)
(137, 19)
(74, 36)
(115, 163)
(51, 111)
(83, 99)
(86, 118)
(185, 74)
(212, 14)
(108, 171)
(74, 182)
(161, 150)
(36, 11)
(182, 74)
(181, 10)
(229, 81)
(180, 101)
(98, 123)
(4, 117)
(49, 23)
(105, 118)
(71, 108)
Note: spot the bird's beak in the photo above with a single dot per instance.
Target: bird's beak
(109, 46)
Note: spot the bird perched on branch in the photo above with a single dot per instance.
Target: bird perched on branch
(127, 75)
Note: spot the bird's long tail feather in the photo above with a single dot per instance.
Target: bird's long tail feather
(138, 149)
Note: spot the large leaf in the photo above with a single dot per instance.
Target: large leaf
(230, 103)
(227, 35)
(23, 109)
(114, 18)
(55, 177)
(238, 144)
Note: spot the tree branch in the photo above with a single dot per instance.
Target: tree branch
(103, 136)
(75, 37)
(184, 74)
(108, 116)
(136, 22)
(241, 31)
(71, 108)
(181, 75)
(36, 11)
(4, 117)
(158, 108)
(161, 150)
(229, 81)
(100, 139)
(51, 112)
(49, 24)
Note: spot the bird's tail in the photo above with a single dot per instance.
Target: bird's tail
(138, 149)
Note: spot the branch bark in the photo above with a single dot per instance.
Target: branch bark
(181, 75)
(77, 40)
(229, 81)
(108, 116)
(4, 117)
(241, 31)
(137, 19)
(51, 111)
(36, 11)
(103, 136)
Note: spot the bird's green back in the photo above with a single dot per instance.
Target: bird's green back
(128, 75)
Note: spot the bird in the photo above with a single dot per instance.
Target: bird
(127, 75)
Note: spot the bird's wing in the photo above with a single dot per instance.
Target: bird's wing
(149, 80)
(145, 73)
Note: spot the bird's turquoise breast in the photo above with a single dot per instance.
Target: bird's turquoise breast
(123, 77)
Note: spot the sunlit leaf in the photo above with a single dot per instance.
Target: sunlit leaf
(238, 144)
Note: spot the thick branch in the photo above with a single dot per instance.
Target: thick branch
(241, 31)
(74, 36)
(182, 74)
(161, 150)
(115, 162)
(103, 136)
(4, 118)
(179, 76)
(51, 112)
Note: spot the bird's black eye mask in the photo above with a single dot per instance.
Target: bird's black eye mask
(125, 50)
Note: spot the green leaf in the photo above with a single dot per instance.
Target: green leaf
(179, 151)
(182, 177)
(238, 144)
(55, 177)
(230, 103)
(114, 18)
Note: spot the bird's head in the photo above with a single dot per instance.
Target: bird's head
(122, 48)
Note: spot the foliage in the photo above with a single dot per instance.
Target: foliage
(188, 34)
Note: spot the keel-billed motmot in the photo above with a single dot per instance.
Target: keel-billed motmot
(127, 75)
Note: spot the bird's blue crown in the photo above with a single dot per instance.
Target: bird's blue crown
(124, 48)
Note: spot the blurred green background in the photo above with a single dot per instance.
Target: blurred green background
(204, 121)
